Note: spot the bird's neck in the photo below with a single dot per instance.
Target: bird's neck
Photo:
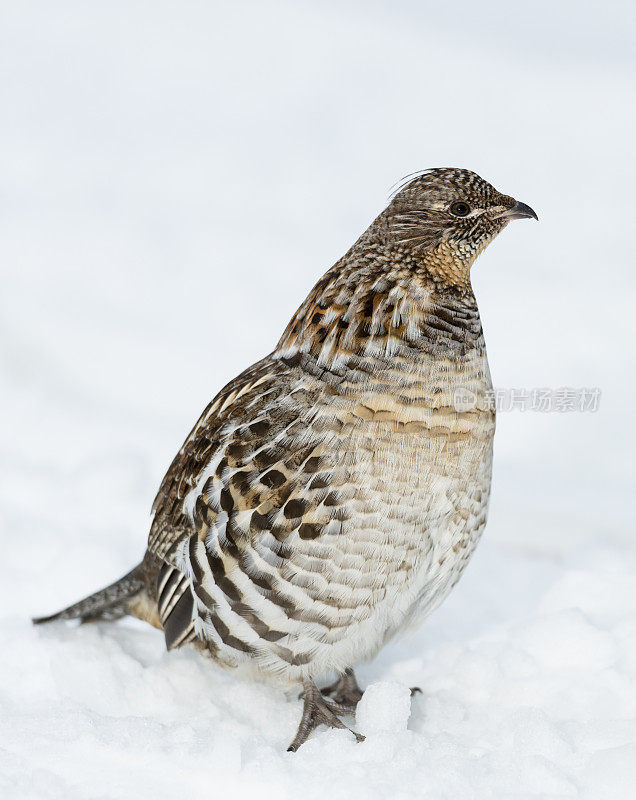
(381, 302)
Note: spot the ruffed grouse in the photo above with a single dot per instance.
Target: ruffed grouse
(332, 494)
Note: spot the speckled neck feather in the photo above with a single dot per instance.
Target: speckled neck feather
(384, 299)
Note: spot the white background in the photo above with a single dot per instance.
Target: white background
(173, 179)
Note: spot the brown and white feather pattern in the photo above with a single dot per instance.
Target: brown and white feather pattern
(332, 494)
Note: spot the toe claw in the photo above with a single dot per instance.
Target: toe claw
(318, 711)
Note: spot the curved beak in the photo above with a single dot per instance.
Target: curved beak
(518, 211)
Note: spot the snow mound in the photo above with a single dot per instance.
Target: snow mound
(385, 708)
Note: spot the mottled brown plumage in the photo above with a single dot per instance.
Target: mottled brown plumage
(331, 495)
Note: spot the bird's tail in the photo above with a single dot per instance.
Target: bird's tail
(114, 601)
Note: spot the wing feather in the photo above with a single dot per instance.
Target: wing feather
(239, 475)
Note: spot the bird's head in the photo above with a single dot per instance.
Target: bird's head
(443, 218)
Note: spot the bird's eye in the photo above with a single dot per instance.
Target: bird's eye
(460, 209)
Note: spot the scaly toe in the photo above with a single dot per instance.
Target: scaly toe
(318, 711)
(345, 692)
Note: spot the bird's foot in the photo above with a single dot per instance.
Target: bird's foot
(318, 711)
(345, 692)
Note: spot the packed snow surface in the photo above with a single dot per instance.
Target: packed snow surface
(174, 179)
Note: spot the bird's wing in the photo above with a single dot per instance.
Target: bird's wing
(171, 520)
(240, 484)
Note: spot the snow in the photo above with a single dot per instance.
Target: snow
(174, 179)
(385, 708)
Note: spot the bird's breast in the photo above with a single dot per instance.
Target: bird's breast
(418, 460)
